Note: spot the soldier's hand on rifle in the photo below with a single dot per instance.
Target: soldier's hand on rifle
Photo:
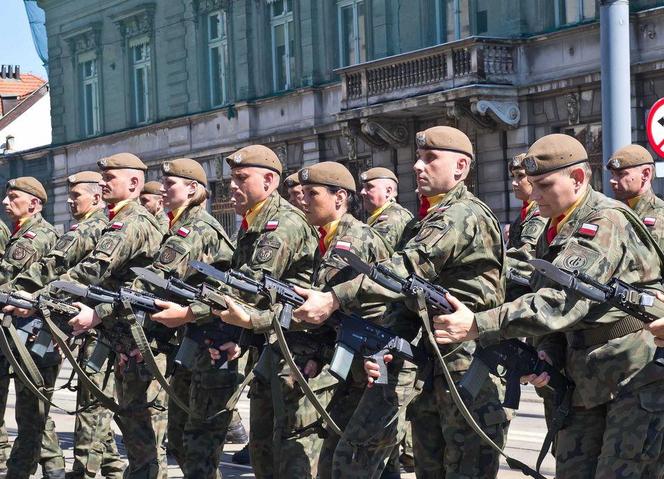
(172, 315)
(233, 351)
(373, 370)
(657, 327)
(456, 327)
(541, 380)
(234, 315)
(20, 312)
(85, 320)
(318, 306)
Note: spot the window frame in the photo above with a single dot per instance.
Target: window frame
(93, 82)
(341, 4)
(221, 43)
(144, 64)
(287, 20)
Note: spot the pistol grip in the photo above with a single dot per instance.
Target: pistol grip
(378, 358)
(222, 362)
(659, 356)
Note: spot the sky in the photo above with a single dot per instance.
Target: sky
(16, 46)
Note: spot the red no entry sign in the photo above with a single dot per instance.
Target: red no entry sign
(655, 127)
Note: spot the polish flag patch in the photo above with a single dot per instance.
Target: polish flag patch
(382, 217)
(184, 232)
(271, 225)
(30, 235)
(588, 229)
(442, 208)
(344, 245)
(73, 227)
(117, 225)
(649, 221)
(536, 213)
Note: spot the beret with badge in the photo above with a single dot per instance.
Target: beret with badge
(122, 161)
(30, 185)
(185, 168)
(292, 181)
(444, 138)
(516, 162)
(629, 156)
(379, 173)
(553, 152)
(328, 173)
(84, 177)
(257, 156)
(151, 188)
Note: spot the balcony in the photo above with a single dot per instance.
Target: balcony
(471, 61)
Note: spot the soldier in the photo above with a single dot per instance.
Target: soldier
(131, 239)
(94, 443)
(632, 170)
(274, 237)
(294, 191)
(153, 201)
(457, 244)
(193, 235)
(617, 403)
(4, 236)
(32, 237)
(387, 217)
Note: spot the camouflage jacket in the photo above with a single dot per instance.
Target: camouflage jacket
(34, 239)
(279, 242)
(391, 223)
(459, 246)
(4, 236)
(599, 239)
(523, 237)
(164, 222)
(196, 235)
(651, 211)
(71, 248)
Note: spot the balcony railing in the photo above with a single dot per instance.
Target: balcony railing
(451, 65)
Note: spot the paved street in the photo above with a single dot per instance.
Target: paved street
(526, 435)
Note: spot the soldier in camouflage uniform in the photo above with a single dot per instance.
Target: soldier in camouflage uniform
(4, 236)
(615, 425)
(94, 443)
(194, 235)
(32, 237)
(379, 196)
(456, 244)
(131, 239)
(632, 170)
(153, 201)
(294, 191)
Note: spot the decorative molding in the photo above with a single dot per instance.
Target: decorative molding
(348, 134)
(648, 30)
(282, 154)
(382, 133)
(206, 6)
(84, 40)
(573, 109)
(457, 110)
(136, 22)
(506, 113)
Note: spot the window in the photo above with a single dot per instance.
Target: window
(141, 78)
(352, 32)
(481, 25)
(89, 94)
(441, 25)
(217, 42)
(574, 11)
(283, 44)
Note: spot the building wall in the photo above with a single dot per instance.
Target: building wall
(33, 128)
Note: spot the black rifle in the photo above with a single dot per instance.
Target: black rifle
(275, 290)
(636, 302)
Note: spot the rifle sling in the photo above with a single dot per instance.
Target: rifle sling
(511, 462)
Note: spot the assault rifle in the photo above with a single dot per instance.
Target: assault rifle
(636, 302)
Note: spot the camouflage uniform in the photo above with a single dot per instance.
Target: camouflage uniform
(164, 222)
(196, 444)
(391, 223)
(34, 239)
(617, 419)
(92, 448)
(285, 251)
(651, 211)
(457, 245)
(329, 271)
(525, 230)
(132, 239)
(4, 236)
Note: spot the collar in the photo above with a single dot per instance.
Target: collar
(19, 224)
(250, 215)
(114, 209)
(330, 231)
(376, 213)
(174, 215)
(562, 219)
(434, 201)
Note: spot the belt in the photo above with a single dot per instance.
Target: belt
(604, 333)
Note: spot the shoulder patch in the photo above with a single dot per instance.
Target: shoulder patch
(575, 257)
(344, 245)
(30, 235)
(19, 253)
(117, 225)
(443, 208)
(107, 244)
(588, 229)
(649, 221)
(168, 255)
(536, 212)
(184, 232)
(382, 218)
(271, 225)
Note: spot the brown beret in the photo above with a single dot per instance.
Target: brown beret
(30, 185)
(185, 168)
(292, 181)
(84, 177)
(516, 162)
(554, 152)
(629, 156)
(328, 173)
(379, 173)
(255, 155)
(122, 161)
(444, 138)
(152, 188)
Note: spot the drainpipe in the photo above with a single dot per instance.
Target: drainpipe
(616, 88)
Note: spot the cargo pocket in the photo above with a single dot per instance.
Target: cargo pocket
(95, 456)
(653, 403)
(210, 390)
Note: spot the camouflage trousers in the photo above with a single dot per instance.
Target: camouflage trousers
(371, 426)
(143, 428)
(94, 442)
(180, 382)
(618, 440)
(284, 437)
(36, 441)
(393, 467)
(444, 445)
